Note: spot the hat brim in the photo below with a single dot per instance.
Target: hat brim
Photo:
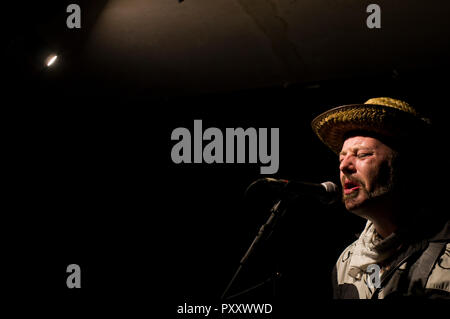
(333, 125)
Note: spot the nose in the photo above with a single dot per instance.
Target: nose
(347, 166)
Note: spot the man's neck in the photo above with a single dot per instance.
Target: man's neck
(384, 217)
(384, 227)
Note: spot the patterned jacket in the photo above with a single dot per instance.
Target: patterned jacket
(419, 268)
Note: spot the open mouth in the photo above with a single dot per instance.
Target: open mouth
(350, 187)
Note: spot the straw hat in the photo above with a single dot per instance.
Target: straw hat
(383, 115)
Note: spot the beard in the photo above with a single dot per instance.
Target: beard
(384, 187)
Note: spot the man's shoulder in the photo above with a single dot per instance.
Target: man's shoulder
(347, 252)
(440, 275)
(343, 262)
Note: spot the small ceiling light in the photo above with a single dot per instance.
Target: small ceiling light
(51, 60)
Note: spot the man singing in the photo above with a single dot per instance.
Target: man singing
(404, 249)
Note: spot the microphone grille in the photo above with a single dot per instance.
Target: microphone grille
(330, 187)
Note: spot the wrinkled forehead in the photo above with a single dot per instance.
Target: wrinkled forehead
(369, 139)
(361, 142)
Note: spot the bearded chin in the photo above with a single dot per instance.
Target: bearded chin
(377, 194)
(387, 185)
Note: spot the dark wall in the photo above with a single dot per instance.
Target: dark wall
(89, 180)
(92, 182)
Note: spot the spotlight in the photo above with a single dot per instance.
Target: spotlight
(51, 60)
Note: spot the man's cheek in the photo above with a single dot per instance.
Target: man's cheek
(371, 180)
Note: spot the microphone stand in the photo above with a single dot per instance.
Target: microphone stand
(277, 211)
(272, 278)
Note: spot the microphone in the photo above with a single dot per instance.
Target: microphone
(326, 192)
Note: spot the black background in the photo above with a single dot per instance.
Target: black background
(89, 180)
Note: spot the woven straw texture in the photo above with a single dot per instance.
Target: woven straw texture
(385, 116)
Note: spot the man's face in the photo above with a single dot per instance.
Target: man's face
(365, 171)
